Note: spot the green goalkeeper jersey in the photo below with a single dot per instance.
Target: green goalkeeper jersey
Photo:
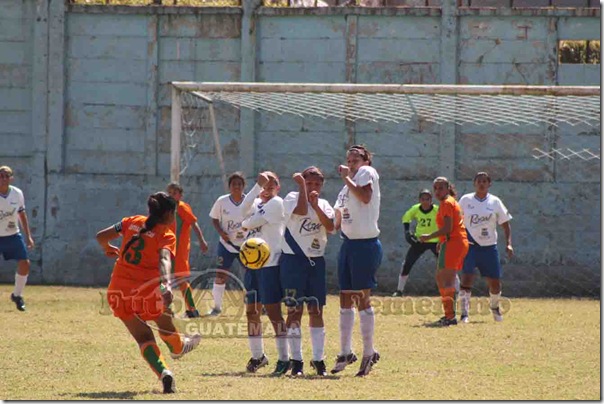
(425, 221)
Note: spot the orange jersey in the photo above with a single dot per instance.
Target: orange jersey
(182, 229)
(449, 207)
(141, 261)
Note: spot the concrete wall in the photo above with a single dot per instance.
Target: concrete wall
(85, 121)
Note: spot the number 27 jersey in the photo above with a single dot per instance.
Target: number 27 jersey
(141, 261)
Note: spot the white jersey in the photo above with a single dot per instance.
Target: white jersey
(10, 206)
(267, 221)
(360, 220)
(481, 217)
(305, 231)
(230, 215)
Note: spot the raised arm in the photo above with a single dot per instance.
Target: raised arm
(323, 218)
(362, 192)
(250, 197)
(302, 205)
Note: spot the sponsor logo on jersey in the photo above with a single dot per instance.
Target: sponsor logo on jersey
(346, 214)
(4, 215)
(308, 226)
(477, 219)
(232, 225)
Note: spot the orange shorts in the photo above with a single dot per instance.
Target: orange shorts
(452, 254)
(129, 299)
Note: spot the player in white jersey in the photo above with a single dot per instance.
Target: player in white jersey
(482, 213)
(12, 246)
(357, 213)
(227, 215)
(309, 219)
(263, 286)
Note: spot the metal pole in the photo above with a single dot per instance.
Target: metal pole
(217, 146)
(176, 128)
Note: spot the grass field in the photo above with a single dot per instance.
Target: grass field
(64, 347)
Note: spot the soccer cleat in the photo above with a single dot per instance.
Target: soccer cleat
(254, 364)
(342, 361)
(398, 293)
(190, 342)
(445, 322)
(465, 318)
(19, 302)
(297, 367)
(192, 314)
(367, 363)
(320, 367)
(281, 368)
(497, 314)
(167, 381)
(214, 312)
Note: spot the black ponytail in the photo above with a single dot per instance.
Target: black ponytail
(159, 204)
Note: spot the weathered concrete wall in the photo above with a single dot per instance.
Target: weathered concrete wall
(85, 118)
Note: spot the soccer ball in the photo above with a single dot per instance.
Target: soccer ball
(254, 253)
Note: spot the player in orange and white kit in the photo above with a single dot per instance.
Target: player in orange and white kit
(453, 246)
(184, 221)
(140, 288)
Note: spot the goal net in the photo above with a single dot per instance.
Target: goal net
(540, 144)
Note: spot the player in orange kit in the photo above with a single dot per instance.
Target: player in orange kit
(185, 220)
(140, 288)
(453, 246)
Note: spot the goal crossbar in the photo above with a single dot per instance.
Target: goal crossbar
(346, 88)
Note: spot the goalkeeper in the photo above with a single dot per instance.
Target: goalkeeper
(424, 214)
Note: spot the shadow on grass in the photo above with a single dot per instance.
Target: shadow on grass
(107, 395)
(269, 376)
(436, 324)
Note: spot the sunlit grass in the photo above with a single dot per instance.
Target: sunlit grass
(63, 348)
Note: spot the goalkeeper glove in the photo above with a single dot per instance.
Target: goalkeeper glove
(410, 238)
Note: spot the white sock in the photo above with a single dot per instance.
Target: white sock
(457, 284)
(294, 336)
(256, 346)
(464, 297)
(317, 338)
(20, 281)
(217, 293)
(367, 328)
(346, 325)
(402, 280)
(494, 300)
(282, 348)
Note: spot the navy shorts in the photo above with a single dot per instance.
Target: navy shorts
(263, 285)
(358, 262)
(13, 247)
(225, 258)
(303, 281)
(486, 259)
